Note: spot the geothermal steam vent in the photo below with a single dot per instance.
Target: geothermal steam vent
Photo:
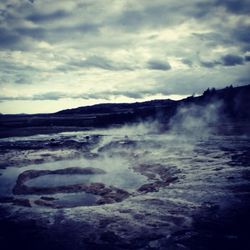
(111, 179)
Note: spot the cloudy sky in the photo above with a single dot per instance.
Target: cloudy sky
(63, 54)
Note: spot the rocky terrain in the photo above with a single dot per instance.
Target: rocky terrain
(133, 190)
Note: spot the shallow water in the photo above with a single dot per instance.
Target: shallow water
(121, 178)
(118, 174)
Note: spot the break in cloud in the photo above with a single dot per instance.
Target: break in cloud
(63, 54)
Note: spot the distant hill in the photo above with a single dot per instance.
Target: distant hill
(236, 105)
(235, 108)
(235, 101)
(116, 107)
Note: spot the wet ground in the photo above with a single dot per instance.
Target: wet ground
(125, 189)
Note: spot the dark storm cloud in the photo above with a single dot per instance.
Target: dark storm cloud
(242, 33)
(235, 34)
(8, 38)
(56, 34)
(232, 60)
(209, 64)
(12, 31)
(15, 39)
(148, 16)
(174, 13)
(17, 34)
(226, 60)
(35, 33)
(247, 58)
(39, 18)
(235, 6)
(158, 65)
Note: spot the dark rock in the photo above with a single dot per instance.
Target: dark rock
(47, 198)
(6, 199)
(116, 194)
(46, 203)
(95, 188)
(125, 210)
(109, 237)
(160, 174)
(105, 200)
(38, 161)
(157, 171)
(22, 202)
(149, 187)
(105, 222)
(155, 201)
(139, 216)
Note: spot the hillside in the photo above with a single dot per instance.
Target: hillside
(234, 108)
(116, 107)
(236, 104)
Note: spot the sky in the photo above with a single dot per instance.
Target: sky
(63, 54)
